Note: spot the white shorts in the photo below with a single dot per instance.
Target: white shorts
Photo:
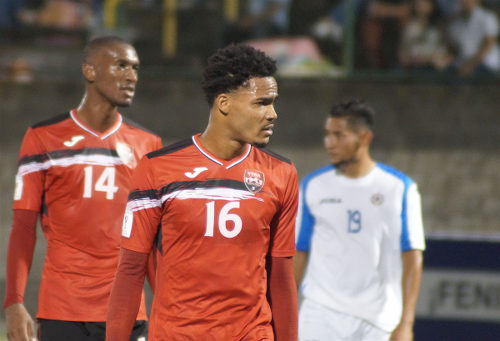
(319, 323)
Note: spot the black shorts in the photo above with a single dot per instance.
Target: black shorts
(54, 330)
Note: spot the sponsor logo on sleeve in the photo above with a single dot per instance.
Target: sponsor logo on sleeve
(128, 219)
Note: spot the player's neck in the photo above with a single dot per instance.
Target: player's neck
(97, 116)
(358, 168)
(221, 145)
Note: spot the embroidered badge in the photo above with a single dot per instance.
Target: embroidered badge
(126, 154)
(254, 180)
(377, 199)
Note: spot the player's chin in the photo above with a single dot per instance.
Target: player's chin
(261, 141)
(126, 102)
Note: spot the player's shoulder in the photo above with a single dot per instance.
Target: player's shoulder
(136, 126)
(396, 173)
(52, 121)
(314, 175)
(171, 148)
(273, 155)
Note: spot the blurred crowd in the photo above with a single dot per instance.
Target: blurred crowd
(446, 36)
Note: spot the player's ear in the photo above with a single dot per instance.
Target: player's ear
(367, 136)
(223, 102)
(88, 71)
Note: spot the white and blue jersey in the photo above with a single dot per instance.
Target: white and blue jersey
(355, 230)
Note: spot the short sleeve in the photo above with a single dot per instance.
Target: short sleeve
(305, 221)
(143, 211)
(413, 230)
(283, 224)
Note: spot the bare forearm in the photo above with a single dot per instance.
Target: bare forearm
(412, 274)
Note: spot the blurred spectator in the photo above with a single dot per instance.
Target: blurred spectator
(474, 32)
(65, 14)
(380, 26)
(422, 39)
(10, 22)
(261, 18)
(304, 14)
(449, 8)
(329, 30)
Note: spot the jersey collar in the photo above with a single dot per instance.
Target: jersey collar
(101, 135)
(226, 163)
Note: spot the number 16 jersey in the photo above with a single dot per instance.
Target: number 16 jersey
(215, 222)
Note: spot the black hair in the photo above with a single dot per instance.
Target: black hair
(358, 113)
(97, 43)
(231, 67)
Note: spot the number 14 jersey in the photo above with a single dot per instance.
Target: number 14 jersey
(79, 180)
(215, 222)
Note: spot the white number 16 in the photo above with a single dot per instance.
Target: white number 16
(224, 217)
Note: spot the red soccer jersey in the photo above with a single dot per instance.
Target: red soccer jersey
(215, 222)
(79, 179)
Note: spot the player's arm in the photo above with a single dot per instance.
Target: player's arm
(125, 297)
(282, 291)
(304, 229)
(28, 195)
(140, 224)
(283, 298)
(412, 274)
(412, 246)
(22, 240)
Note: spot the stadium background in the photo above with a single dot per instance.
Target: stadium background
(444, 133)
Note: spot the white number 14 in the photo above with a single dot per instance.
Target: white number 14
(105, 183)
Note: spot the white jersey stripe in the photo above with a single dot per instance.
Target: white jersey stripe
(218, 193)
(91, 159)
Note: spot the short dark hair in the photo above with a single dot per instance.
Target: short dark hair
(358, 113)
(231, 67)
(97, 43)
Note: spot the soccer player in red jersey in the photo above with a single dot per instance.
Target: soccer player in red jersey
(221, 209)
(75, 171)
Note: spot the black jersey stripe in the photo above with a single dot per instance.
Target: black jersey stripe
(184, 185)
(52, 120)
(65, 153)
(275, 155)
(170, 148)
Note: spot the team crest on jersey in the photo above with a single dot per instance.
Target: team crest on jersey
(377, 199)
(126, 154)
(254, 180)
